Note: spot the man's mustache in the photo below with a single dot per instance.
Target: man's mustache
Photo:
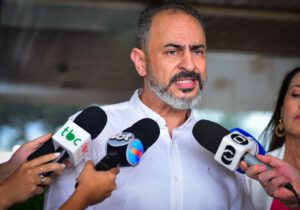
(187, 74)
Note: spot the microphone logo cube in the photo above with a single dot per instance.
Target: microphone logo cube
(232, 149)
(73, 139)
(228, 154)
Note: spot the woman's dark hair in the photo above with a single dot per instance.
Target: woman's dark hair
(269, 131)
(146, 17)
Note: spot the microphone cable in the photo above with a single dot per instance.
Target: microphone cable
(292, 189)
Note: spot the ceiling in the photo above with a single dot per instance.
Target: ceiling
(73, 51)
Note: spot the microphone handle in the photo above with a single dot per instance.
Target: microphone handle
(111, 160)
(60, 159)
(252, 160)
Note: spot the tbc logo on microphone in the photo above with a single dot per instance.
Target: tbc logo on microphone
(70, 136)
(239, 139)
(228, 155)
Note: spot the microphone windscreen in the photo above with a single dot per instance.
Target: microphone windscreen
(146, 130)
(92, 119)
(209, 134)
(46, 148)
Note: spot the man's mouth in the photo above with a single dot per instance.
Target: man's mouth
(186, 83)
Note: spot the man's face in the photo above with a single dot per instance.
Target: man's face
(176, 59)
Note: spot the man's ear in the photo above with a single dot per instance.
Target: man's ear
(138, 57)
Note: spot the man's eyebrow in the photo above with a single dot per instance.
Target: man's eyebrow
(173, 45)
(198, 46)
(192, 47)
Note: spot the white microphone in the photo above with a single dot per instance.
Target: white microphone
(73, 138)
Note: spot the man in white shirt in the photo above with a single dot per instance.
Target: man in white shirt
(175, 172)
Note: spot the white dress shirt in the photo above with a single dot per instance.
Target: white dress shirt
(175, 173)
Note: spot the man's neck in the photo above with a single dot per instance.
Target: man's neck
(173, 117)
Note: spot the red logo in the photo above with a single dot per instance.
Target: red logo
(84, 148)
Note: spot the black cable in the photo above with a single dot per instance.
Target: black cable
(291, 188)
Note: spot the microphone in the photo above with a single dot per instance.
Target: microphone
(261, 149)
(72, 139)
(229, 147)
(127, 147)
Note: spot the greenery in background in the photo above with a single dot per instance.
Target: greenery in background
(15, 119)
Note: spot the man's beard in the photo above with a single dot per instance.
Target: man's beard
(175, 102)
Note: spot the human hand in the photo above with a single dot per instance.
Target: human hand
(21, 155)
(26, 181)
(274, 181)
(96, 185)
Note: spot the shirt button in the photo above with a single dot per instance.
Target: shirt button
(175, 145)
(176, 178)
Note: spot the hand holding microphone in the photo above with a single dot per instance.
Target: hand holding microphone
(123, 149)
(282, 183)
(72, 139)
(232, 148)
(23, 179)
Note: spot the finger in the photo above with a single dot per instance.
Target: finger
(89, 164)
(39, 190)
(44, 181)
(58, 172)
(68, 163)
(243, 165)
(270, 160)
(115, 170)
(38, 142)
(51, 167)
(279, 181)
(255, 170)
(42, 159)
(266, 177)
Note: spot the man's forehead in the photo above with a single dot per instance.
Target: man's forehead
(170, 14)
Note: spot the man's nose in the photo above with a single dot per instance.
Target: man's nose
(188, 62)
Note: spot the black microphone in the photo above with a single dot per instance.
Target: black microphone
(127, 147)
(72, 139)
(229, 147)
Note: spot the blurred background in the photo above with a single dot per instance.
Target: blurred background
(59, 56)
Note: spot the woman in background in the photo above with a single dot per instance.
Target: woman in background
(282, 134)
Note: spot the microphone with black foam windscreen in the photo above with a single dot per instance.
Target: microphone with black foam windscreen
(229, 148)
(72, 139)
(127, 147)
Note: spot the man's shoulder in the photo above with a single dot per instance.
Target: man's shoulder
(117, 108)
